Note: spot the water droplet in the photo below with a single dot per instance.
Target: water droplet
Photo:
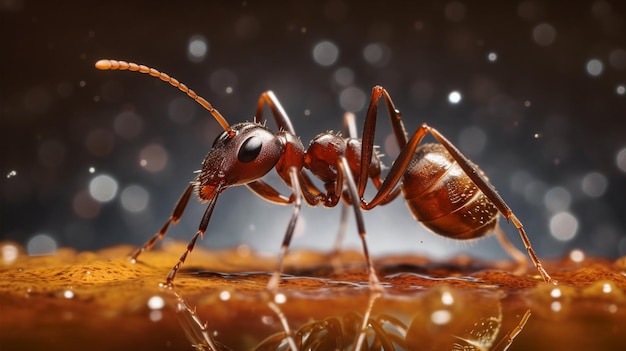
(492, 57)
(11, 174)
(620, 90)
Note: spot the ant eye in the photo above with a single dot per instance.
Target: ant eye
(250, 149)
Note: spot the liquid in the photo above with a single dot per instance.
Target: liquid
(100, 301)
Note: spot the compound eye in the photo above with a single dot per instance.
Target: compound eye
(250, 149)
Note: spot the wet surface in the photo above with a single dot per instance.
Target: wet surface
(101, 301)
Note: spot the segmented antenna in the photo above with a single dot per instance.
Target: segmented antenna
(131, 66)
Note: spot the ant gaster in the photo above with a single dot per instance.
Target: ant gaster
(443, 189)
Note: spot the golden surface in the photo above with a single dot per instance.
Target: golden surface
(99, 301)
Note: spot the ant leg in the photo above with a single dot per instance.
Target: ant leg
(174, 217)
(344, 171)
(267, 192)
(204, 223)
(491, 194)
(349, 129)
(510, 249)
(341, 233)
(369, 129)
(509, 337)
(272, 285)
(277, 109)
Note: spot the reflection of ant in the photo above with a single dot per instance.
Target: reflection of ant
(386, 332)
(442, 187)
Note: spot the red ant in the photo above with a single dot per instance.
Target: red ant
(445, 191)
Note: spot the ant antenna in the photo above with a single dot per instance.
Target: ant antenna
(131, 66)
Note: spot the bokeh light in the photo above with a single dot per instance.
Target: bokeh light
(557, 199)
(127, 124)
(472, 140)
(594, 184)
(52, 153)
(181, 110)
(377, 54)
(153, 158)
(9, 253)
(134, 198)
(100, 141)
(454, 97)
(197, 48)
(103, 188)
(343, 76)
(325, 53)
(620, 159)
(352, 99)
(594, 67)
(85, 206)
(223, 81)
(563, 226)
(41, 244)
(544, 34)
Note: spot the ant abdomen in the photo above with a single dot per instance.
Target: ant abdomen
(441, 195)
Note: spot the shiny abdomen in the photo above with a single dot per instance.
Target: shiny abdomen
(444, 198)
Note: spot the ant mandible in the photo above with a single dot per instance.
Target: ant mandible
(443, 189)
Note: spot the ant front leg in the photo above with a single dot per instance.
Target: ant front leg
(204, 223)
(174, 218)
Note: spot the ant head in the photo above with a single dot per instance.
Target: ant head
(240, 159)
(243, 153)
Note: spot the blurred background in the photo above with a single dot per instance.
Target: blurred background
(532, 91)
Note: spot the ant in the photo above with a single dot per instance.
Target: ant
(443, 189)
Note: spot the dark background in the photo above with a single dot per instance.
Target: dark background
(546, 131)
